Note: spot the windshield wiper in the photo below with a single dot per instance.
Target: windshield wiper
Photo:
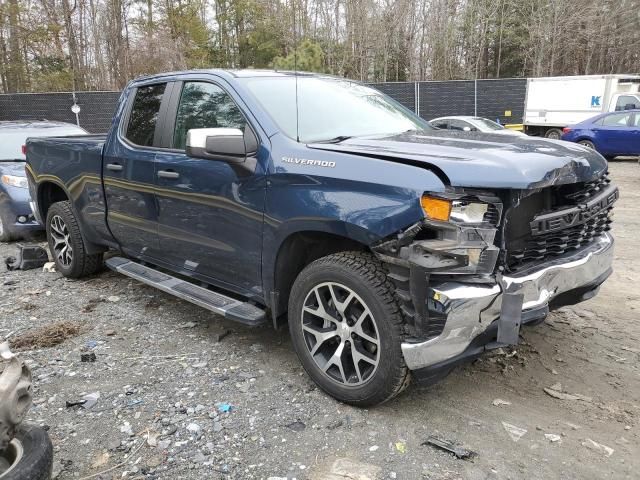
(338, 139)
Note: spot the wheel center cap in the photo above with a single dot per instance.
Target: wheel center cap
(345, 330)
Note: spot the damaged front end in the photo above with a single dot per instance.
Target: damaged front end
(482, 264)
(456, 238)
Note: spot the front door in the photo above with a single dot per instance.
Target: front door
(129, 172)
(210, 216)
(613, 134)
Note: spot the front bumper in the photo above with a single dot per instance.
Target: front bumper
(472, 310)
(18, 205)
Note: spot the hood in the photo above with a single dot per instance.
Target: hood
(13, 168)
(482, 160)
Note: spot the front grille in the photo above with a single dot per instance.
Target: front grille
(588, 190)
(524, 248)
(553, 244)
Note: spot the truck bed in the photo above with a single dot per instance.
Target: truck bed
(73, 164)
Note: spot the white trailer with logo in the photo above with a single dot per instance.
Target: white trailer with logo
(552, 103)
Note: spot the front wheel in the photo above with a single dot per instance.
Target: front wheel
(346, 328)
(66, 243)
(587, 143)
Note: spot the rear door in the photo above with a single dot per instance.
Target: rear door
(210, 215)
(129, 171)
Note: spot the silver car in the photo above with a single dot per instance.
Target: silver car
(472, 124)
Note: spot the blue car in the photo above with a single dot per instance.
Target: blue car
(16, 218)
(611, 134)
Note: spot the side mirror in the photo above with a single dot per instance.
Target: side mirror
(466, 129)
(226, 144)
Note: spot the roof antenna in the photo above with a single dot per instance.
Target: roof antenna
(295, 68)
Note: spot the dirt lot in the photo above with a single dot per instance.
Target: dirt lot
(162, 371)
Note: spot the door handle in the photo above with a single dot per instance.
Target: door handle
(168, 174)
(116, 167)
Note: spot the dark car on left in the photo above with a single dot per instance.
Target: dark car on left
(16, 217)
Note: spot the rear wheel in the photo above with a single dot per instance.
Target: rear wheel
(66, 243)
(553, 134)
(346, 328)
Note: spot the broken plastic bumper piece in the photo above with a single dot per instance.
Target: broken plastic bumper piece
(472, 311)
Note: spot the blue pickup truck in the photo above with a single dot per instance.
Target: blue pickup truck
(393, 250)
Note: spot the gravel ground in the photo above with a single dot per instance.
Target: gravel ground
(180, 399)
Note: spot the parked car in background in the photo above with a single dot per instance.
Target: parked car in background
(471, 124)
(611, 134)
(16, 218)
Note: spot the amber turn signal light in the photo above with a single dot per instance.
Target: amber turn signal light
(436, 208)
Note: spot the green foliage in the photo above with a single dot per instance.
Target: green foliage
(187, 27)
(310, 58)
(51, 74)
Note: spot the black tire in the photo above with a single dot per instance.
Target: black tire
(365, 277)
(587, 143)
(80, 264)
(5, 234)
(553, 134)
(37, 455)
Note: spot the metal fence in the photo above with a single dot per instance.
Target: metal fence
(498, 99)
(501, 99)
(96, 108)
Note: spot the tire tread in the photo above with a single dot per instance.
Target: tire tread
(88, 263)
(372, 271)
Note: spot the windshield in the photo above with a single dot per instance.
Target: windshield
(331, 108)
(491, 125)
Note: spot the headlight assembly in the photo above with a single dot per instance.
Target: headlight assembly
(464, 227)
(14, 181)
(460, 210)
(464, 211)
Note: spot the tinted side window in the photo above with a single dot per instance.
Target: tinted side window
(442, 125)
(616, 120)
(459, 125)
(144, 114)
(204, 105)
(627, 102)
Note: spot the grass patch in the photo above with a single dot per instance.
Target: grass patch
(46, 336)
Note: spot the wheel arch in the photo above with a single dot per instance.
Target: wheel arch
(298, 249)
(49, 192)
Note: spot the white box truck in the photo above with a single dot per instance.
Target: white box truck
(552, 103)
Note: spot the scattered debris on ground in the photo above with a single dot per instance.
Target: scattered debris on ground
(450, 447)
(46, 336)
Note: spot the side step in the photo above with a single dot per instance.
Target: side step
(230, 308)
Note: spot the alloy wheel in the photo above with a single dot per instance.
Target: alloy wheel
(62, 249)
(340, 333)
